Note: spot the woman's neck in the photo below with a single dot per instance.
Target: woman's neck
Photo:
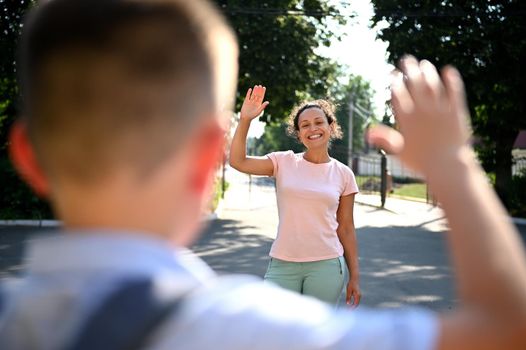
(317, 156)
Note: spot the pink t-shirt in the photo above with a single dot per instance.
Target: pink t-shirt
(308, 197)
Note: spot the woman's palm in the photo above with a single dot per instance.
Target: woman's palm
(253, 104)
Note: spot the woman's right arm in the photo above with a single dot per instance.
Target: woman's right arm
(252, 107)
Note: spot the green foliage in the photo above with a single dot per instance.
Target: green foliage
(486, 41)
(275, 137)
(277, 40)
(16, 200)
(361, 94)
(218, 192)
(414, 190)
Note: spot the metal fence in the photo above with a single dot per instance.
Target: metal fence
(519, 164)
(380, 173)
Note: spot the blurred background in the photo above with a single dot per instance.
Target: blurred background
(344, 51)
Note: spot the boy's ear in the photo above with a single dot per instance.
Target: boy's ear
(208, 150)
(23, 157)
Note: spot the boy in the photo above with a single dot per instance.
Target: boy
(122, 129)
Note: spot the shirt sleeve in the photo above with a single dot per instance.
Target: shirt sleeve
(257, 316)
(273, 156)
(277, 159)
(350, 182)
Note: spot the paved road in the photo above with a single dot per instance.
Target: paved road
(402, 255)
(403, 260)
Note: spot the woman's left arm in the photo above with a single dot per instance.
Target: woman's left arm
(347, 236)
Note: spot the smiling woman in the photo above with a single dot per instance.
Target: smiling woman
(316, 238)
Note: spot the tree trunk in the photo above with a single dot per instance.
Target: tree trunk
(503, 163)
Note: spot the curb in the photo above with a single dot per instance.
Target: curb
(34, 223)
(375, 206)
(516, 221)
(56, 223)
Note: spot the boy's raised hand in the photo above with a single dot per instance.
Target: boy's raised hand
(431, 113)
(253, 104)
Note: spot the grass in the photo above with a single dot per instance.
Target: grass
(416, 190)
(403, 189)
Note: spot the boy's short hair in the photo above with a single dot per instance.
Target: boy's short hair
(109, 83)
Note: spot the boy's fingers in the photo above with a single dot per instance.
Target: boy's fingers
(401, 100)
(386, 138)
(249, 92)
(455, 89)
(432, 79)
(413, 75)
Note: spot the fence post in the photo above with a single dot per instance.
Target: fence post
(383, 172)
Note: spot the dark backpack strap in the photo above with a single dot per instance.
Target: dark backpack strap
(1, 300)
(126, 319)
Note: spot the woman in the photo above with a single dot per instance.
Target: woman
(315, 193)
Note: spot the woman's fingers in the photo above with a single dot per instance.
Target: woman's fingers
(256, 94)
(352, 297)
(356, 298)
(249, 94)
(259, 93)
(262, 107)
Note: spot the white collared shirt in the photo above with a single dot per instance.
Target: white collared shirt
(69, 275)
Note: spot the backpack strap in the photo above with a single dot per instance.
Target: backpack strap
(1, 300)
(127, 318)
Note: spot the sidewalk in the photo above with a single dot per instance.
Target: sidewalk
(403, 260)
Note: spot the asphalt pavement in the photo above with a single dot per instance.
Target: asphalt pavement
(402, 249)
(403, 260)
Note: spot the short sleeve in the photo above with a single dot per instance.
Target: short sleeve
(277, 159)
(350, 182)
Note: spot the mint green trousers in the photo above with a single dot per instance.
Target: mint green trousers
(322, 279)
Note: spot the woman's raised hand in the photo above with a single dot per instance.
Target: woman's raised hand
(253, 104)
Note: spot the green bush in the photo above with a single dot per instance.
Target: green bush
(16, 199)
(218, 193)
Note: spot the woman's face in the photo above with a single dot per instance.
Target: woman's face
(314, 129)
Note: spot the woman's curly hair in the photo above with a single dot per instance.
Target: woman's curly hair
(328, 109)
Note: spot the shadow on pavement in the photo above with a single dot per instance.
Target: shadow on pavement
(405, 266)
(229, 247)
(13, 240)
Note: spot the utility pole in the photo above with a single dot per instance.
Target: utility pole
(351, 111)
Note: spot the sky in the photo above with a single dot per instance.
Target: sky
(360, 51)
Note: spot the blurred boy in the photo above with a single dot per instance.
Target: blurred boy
(122, 129)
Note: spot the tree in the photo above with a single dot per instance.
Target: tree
(275, 137)
(358, 92)
(486, 41)
(277, 40)
(16, 200)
